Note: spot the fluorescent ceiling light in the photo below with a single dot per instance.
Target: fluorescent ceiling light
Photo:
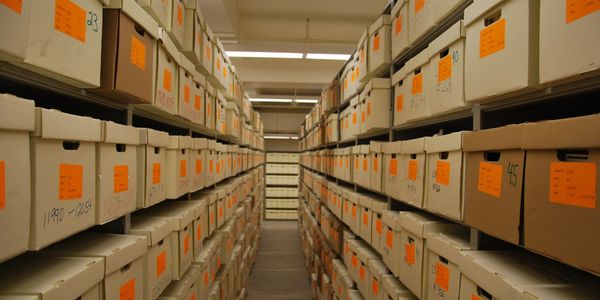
(294, 138)
(327, 56)
(276, 137)
(306, 100)
(270, 100)
(257, 54)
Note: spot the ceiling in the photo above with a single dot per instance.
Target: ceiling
(307, 26)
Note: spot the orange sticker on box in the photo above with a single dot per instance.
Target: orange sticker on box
(179, 15)
(186, 244)
(376, 42)
(489, 180)
(577, 9)
(354, 260)
(442, 276)
(14, 5)
(394, 167)
(356, 164)
(127, 290)
(210, 166)
(137, 55)
(354, 118)
(375, 287)
(167, 80)
(419, 4)
(368, 109)
(70, 19)
(206, 278)
(197, 102)
(363, 117)
(70, 182)
(2, 184)
(445, 68)
(375, 164)
(475, 297)
(492, 38)
(573, 183)
(413, 167)
(399, 103)
(186, 93)
(409, 257)
(347, 162)
(378, 226)
(212, 217)
(361, 272)
(121, 178)
(389, 239)
(182, 168)
(365, 164)
(398, 25)
(193, 297)
(198, 166)
(199, 232)
(220, 212)
(156, 173)
(442, 172)
(365, 219)
(161, 263)
(417, 84)
(353, 211)
(218, 167)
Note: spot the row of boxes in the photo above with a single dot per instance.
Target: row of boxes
(291, 169)
(274, 214)
(282, 180)
(275, 192)
(282, 157)
(281, 203)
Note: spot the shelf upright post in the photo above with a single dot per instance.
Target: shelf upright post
(475, 235)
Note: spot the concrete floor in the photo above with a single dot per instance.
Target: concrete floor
(279, 272)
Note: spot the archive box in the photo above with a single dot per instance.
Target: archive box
(377, 269)
(352, 199)
(233, 123)
(193, 35)
(376, 170)
(375, 106)
(360, 156)
(394, 289)
(425, 15)
(200, 225)
(185, 87)
(199, 98)
(211, 210)
(220, 116)
(365, 255)
(412, 84)
(332, 128)
(442, 271)
(211, 161)
(380, 45)
(413, 164)
(362, 59)
(348, 89)
(185, 288)
(219, 65)
(198, 157)
(365, 216)
(178, 163)
(392, 165)
(399, 29)
(345, 129)
(378, 206)
(392, 229)
(210, 106)
(160, 10)
(208, 40)
(13, 44)
(152, 164)
(166, 77)
(176, 26)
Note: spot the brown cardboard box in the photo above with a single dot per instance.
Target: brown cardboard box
(561, 190)
(494, 181)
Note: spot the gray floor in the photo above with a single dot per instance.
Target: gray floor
(280, 270)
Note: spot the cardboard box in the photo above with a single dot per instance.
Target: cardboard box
(17, 120)
(360, 156)
(392, 228)
(380, 45)
(206, 66)
(376, 173)
(442, 270)
(128, 54)
(365, 256)
(412, 89)
(63, 48)
(502, 39)
(333, 132)
(413, 164)
(199, 98)
(209, 112)
(159, 232)
(176, 26)
(211, 161)
(361, 60)
(63, 157)
(365, 217)
(185, 288)
(375, 106)
(200, 224)
(494, 181)
(415, 230)
(178, 164)
(220, 206)
(395, 290)
(116, 171)
(193, 35)
(445, 175)
(348, 89)
(425, 15)
(378, 206)
(198, 155)
(166, 76)
(399, 29)
(122, 256)
(80, 277)
(448, 68)
(233, 123)
(345, 119)
(551, 173)
(219, 66)
(151, 171)
(13, 45)
(160, 10)
(220, 116)
(185, 87)
(377, 269)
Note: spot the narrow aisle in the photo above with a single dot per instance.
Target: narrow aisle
(280, 270)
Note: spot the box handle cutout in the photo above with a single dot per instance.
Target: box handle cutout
(400, 83)
(443, 260)
(183, 151)
(156, 150)
(70, 145)
(444, 155)
(413, 156)
(572, 155)
(484, 293)
(125, 268)
(393, 155)
(139, 29)
(492, 18)
(491, 156)
(418, 70)
(160, 243)
(444, 53)
(411, 240)
(121, 147)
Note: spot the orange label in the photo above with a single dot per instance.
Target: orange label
(375, 287)
(375, 164)
(193, 297)
(356, 164)
(2, 185)
(340, 162)
(378, 226)
(357, 71)
(353, 211)
(413, 167)
(445, 68)
(212, 217)
(573, 183)
(376, 43)
(198, 166)
(393, 167)
(365, 219)
(208, 109)
(182, 168)
(199, 231)
(186, 93)
(490, 179)
(156, 173)
(207, 52)
(576, 9)
(354, 260)
(442, 172)
(197, 102)
(417, 84)
(353, 76)
(368, 109)
(210, 166)
(218, 167)
(346, 206)
(361, 272)
(70, 19)
(167, 80)
(363, 117)
(492, 38)
(365, 164)
(179, 15)
(389, 239)
(186, 244)
(15, 5)
(219, 64)
(161, 263)
(220, 212)
(70, 182)
(419, 4)
(121, 178)
(205, 278)
(410, 254)
(442, 276)
(347, 162)
(399, 103)
(138, 53)
(398, 26)
(475, 297)
(127, 290)
(354, 118)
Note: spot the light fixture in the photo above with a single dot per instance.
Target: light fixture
(326, 56)
(306, 100)
(294, 137)
(274, 100)
(258, 54)
(276, 137)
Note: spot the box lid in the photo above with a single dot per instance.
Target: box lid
(571, 133)
(448, 245)
(377, 267)
(420, 224)
(453, 34)
(442, 143)
(53, 124)
(16, 113)
(179, 288)
(155, 229)
(183, 214)
(132, 9)
(365, 254)
(391, 219)
(396, 8)
(392, 147)
(414, 146)
(51, 278)
(364, 200)
(395, 288)
(417, 61)
(375, 146)
(180, 142)
(562, 292)
(118, 250)
(354, 101)
(399, 75)
(168, 44)
(154, 137)
(119, 134)
(377, 83)
(200, 143)
(186, 64)
(501, 138)
(384, 20)
(478, 9)
(378, 205)
(199, 78)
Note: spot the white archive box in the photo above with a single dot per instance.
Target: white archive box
(199, 98)
(332, 128)
(365, 255)
(425, 15)
(167, 71)
(152, 164)
(64, 41)
(116, 171)
(17, 120)
(233, 123)
(14, 16)
(399, 30)
(158, 259)
(178, 164)
(345, 117)
(360, 156)
(376, 166)
(220, 116)
(352, 265)
(362, 59)
(185, 288)
(443, 256)
(380, 55)
(36, 276)
(365, 214)
(413, 177)
(412, 89)
(206, 65)
(393, 289)
(347, 169)
(445, 175)
(448, 70)
(219, 65)
(200, 224)
(378, 206)
(375, 106)
(193, 32)
(122, 256)
(160, 10)
(176, 26)
(501, 48)
(63, 158)
(210, 210)
(209, 107)
(392, 164)
(211, 160)
(198, 157)
(392, 229)
(566, 29)
(377, 269)
(348, 89)
(185, 83)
